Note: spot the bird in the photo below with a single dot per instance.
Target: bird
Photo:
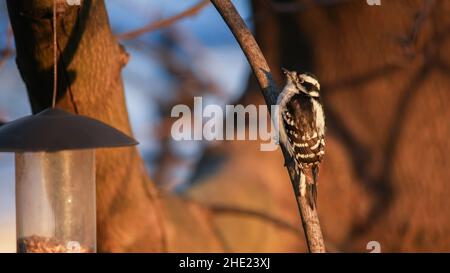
(301, 127)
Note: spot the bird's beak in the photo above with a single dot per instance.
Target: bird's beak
(285, 71)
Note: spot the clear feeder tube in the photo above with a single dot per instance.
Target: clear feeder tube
(55, 202)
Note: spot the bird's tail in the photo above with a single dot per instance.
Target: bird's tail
(308, 186)
(312, 195)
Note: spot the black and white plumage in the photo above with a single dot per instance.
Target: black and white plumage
(301, 124)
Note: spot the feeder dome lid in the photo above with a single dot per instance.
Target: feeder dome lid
(55, 130)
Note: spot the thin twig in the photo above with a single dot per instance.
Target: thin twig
(164, 22)
(309, 217)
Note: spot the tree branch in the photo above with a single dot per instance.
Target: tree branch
(164, 22)
(244, 37)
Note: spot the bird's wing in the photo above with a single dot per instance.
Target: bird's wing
(306, 142)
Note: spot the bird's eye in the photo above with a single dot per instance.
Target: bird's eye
(301, 80)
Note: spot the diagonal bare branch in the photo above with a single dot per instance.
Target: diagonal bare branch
(258, 63)
(194, 10)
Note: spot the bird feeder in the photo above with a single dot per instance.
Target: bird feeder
(55, 178)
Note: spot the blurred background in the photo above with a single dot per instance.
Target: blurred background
(385, 77)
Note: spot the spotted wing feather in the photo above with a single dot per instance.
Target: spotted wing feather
(306, 143)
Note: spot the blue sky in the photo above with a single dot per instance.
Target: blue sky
(221, 61)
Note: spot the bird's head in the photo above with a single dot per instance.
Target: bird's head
(304, 82)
